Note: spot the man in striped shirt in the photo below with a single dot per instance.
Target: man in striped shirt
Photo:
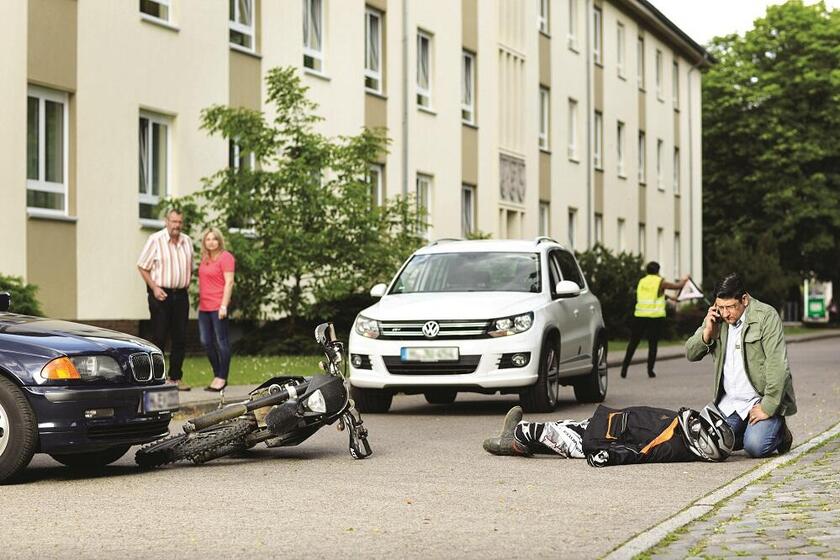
(166, 266)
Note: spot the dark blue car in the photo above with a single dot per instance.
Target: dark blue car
(82, 394)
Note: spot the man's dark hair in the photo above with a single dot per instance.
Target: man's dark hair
(652, 267)
(730, 287)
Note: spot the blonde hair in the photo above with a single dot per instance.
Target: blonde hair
(205, 254)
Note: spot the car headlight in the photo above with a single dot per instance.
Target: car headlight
(81, 367)
(366, 327)
(316, 403)
(511, 325)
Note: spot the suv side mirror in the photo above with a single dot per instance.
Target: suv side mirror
(378, 291)
(567, 289)
(5, 301)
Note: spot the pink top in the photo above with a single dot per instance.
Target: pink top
(211, 281)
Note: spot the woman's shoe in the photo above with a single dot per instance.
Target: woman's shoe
(215, 390)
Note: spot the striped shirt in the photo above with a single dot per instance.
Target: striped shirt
(169, 263)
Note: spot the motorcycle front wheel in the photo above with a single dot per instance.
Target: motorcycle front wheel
(199, 447)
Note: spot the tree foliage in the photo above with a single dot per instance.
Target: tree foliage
(771, 146)
(301, 222)
(24, 296)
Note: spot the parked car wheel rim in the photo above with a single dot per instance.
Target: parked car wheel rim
(553, 378)
(602, 367)
(4, 430)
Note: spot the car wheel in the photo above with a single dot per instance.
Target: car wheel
(441, 396)
(92, 459)
(544, 394)
(18, 430)
(371, 400)
(592, 388)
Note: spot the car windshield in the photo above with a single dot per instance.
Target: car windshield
(470, 272)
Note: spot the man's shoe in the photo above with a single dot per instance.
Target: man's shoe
(505, 443)
(787, 438)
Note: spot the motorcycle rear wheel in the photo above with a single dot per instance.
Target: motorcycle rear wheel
(215, 441)
(158, 453)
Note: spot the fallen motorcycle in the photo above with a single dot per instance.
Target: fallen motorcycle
(284, 411)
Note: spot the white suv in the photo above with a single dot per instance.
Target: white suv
(485, 317)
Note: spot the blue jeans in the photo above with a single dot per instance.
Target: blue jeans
(214, 338)
(759, 439)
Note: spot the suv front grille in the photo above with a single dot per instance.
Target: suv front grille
(413, 330)
(466, 364)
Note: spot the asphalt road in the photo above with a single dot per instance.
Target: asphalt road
(428, 491)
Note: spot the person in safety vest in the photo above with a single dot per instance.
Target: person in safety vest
(649, 316)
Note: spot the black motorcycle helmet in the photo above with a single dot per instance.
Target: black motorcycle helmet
(706, 433)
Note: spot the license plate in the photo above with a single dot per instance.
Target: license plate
(158, 401)
(449, 354)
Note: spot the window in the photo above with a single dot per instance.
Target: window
(468, 87)
(573, 126)
(599, 141)
(545, 211)
(620, 49)
(675, 84)
(570, 234)
(659, 74)
(46, 150)
(154, 163)
(621, 244)
(569, 268)
(313, 35)
(158, 9)
(467, 210)
(620, 148)
(542, 16)
(377, 184)
(677, 271)
(659, 183)
(373, 50)
(239, 159)
(424, 69)
(545, 115)
(676, 170)
(242, 24)
(642, 158)
(573, 25)
(599, 229)
(640, 62)
(642, 239)
(597, 35)
(423, 196)
(660, 245)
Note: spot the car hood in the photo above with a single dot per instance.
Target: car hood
(452, 305)
(49, 336)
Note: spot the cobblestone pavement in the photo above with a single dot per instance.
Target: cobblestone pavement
(794, 511)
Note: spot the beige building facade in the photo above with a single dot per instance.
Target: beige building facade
(576, 119)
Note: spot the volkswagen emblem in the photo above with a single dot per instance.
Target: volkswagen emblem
(431, 329)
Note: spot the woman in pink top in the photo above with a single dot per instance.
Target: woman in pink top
(215, 285)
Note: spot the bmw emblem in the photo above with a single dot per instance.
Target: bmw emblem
(431, 329)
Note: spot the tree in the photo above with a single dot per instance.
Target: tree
(771, 146)
(301, 222)
(24, 296)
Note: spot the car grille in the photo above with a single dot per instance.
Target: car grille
(413, 330)
(133, 431)
(158, 366)
(141, 367)
(466, 364)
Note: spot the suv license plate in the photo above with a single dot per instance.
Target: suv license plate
(158, 401)
(449, 354)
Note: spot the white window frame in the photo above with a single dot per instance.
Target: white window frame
(163, 3)
(621, 48)
(659, 70)
(572, 36)
(597, 35)
(599, 228)
(467, 96)
(573, 129)
(545, 118)
(677, 170)
(545, 218)
(598, 141)
(642, 159)
(675, 86)
(640, 62)
(237, 156)
(315, 54)
(423, 197)
(621, 242)
(542, 16)
(147, 197)
(373, 76)
(424, 93)
(620, 148)
(572, 227)
(468, 207)
(642, 239)
(377, 184)
(247, 30)
(41, 184)
(660, 184)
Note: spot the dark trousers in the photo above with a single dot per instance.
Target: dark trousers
(214, 338)
(644, 327)
(169, 322)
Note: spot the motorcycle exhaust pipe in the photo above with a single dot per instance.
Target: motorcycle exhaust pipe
(229, 412)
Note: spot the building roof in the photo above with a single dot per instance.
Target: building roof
(668, 30)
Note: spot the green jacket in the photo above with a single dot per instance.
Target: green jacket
(765, 358)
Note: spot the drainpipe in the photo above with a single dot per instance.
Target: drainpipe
(405, 97)
(590, 124)
(691, 162)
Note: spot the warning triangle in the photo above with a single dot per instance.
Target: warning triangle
(690, 291)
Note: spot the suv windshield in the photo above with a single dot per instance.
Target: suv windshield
(470, 272)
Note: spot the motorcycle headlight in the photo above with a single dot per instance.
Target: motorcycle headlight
(366, 327)
(97, 367)
(507, 326)
(315, 402)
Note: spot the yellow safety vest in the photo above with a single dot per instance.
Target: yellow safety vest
(649, 303)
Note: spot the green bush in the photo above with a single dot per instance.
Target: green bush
(24, 298)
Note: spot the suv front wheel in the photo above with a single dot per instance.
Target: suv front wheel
(592, 388)
(544, 394)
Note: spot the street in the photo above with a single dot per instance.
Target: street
(429, 490)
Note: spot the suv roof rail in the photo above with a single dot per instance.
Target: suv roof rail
(443, 240)
(543, 238)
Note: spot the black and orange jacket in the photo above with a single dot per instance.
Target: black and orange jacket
(637, 434)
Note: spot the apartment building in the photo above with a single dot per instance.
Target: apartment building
(576, 119)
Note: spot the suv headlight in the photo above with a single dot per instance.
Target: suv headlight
(366, 327)
(511, 325)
